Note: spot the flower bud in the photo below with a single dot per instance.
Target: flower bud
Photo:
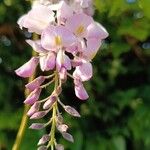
(42, 148)
(58, 90)
(59, 147)
(70, 110)
(59, 119)
(37, 126)
(50, 102)
(45, 138)
(63, 74)
(35, 83)
(34, 108)
(68, 137)
(33, 97)
(39, 115)
(62, 127)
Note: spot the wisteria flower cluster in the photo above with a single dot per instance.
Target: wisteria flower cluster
(69, 39)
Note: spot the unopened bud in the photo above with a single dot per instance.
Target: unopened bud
(33, 97)
(63, 74)
(39, 115)
(62, 127)
(45, 138)
(59, 119)
(70, 110)
(35, 83)
(50, 102)
(58, 90)
(34, 108)
(59, 147)
(42, 148)
(68, 137)
(37, 126)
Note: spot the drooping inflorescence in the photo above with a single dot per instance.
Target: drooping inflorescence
(69, 39)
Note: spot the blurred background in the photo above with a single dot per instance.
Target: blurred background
(117, 114)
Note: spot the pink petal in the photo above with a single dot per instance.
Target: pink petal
(36, 45)
(21, 21)
(43, 62)
(93, 46)
(63, 60)
(28, 68)
(84, 3)
(74, 48)
(81, 92)
(47, 61)
(77, 20)
(63, 74)
(49, 36)
(37, 19)
(50, 61)
(97, 31)
(84, 72)
(64, 12)
(76, 62)
(67, 62)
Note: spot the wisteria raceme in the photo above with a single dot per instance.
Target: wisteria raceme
(69, 40)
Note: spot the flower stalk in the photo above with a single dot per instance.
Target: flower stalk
(24, 120)
(68, 40)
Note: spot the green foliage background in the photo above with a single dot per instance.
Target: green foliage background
(117, 115)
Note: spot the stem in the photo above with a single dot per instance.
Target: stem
(53, 127)
(24, 120)
(23, 124)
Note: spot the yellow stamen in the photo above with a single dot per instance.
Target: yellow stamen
(58, 40)
(80, 30)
